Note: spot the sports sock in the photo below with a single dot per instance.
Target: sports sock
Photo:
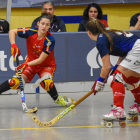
(136, 93)
(118, 94)
(53, 93)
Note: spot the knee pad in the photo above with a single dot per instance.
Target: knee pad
(131, 83)
(47, 84)
(131, 86)
(14, 82)
(117, 77)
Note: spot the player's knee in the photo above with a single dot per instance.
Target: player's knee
(14, 83)
(131, 83)
(110, 80)
(131, 86)
(47, 84)
(115, 78)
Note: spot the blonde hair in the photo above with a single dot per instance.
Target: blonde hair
(96, 27)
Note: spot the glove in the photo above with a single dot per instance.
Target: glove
(112, 70)
(21, 67)
(14, 50)
(98, 85)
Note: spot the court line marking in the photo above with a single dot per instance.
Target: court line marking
(66, 127)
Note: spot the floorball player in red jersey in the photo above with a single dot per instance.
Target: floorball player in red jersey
(40, 59)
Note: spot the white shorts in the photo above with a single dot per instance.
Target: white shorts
(132, 60)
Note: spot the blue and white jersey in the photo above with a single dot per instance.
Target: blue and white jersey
(121, 44)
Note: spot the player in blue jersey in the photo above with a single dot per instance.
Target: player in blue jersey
(126, 71)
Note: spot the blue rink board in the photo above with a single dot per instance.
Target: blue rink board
(73, 51)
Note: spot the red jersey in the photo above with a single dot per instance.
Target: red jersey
(36, 47)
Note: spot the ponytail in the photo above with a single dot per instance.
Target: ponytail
(96, 27)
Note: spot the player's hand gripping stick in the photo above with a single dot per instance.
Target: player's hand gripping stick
(34, 109)
(15, 51)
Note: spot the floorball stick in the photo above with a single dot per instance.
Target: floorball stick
(24, 106)
(57, 118)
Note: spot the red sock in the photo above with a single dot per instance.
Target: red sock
(136, 93)
(118, 94)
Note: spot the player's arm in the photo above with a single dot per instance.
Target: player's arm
(103, 46)
(39, 60)
(112, 70)
(48, 46)
(12, 34)
(106, 66)
(21, 32)
(100, 82)
(14, 49)
(46, 51)
(120, 60)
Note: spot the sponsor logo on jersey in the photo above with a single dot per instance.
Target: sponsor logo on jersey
(28, 71)
(23, 30)
(49, 43)
(37, 46)
(128, 60)
(48, 68)
(30, 68)
(100, 35)
(137, 63)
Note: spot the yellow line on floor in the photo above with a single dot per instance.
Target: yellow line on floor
(65, 127)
